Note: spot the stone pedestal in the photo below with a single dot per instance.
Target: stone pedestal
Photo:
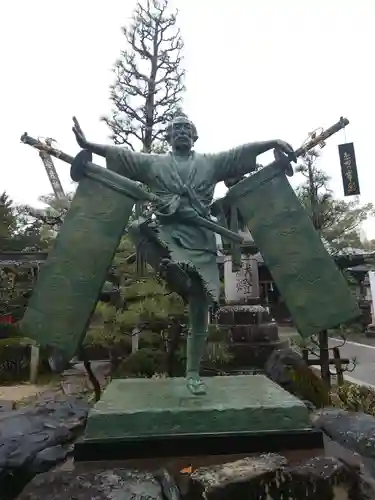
(149, 418)
(252, 333)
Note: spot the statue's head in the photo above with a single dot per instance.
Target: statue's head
(181, 133)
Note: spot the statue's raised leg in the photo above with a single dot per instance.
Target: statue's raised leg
(144, 236)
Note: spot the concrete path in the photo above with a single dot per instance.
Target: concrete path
(357, 346)
(365, 359)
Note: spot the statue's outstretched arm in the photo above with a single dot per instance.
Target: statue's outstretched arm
(243, 159)
(97, 149)
(135, 166)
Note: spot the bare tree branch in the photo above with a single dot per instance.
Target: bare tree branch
(148, 84)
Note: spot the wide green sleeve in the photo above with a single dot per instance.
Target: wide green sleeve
(234, 163)
(135, 166)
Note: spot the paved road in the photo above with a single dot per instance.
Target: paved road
(357, 346)
(365, 357)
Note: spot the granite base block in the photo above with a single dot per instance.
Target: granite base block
(155, 417)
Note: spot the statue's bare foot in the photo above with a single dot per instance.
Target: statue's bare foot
(196, 385)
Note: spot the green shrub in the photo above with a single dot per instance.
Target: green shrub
(101, 343)
(142, 363)
(217, 333)
(308, 385)
(148, 338)
(14, 341)
(14, 360)
(354, 397)
(217, 352)
(7, 331)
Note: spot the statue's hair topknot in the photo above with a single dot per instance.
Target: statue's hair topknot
(179, 114)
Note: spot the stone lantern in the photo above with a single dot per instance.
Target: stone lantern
(252, 332)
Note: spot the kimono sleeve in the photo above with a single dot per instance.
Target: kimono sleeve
(233, 163)
(135, 166)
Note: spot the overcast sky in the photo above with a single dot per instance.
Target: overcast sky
(256, 70)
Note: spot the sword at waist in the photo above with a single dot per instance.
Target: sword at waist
(210, 225)
(81, 167)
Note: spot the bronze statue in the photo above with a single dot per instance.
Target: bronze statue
(180, 243)
(176, 243)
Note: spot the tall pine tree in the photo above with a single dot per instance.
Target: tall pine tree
(8, 223)
(148, 84)
(338, 221)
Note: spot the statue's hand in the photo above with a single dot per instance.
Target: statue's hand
(80, 138)
(284, 147)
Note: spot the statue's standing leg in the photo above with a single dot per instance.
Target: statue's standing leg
(190, 288)
(196, 341)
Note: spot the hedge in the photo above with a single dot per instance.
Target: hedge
(15, 360)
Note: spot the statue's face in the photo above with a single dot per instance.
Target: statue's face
(181, 134)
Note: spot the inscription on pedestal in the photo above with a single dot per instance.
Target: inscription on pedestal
(238, 285)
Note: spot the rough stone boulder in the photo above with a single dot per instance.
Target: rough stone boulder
(269, 477)
(354, 431)
(101, 484)
(288, 369)
(35, 438)
(260, 477)
(6, 405)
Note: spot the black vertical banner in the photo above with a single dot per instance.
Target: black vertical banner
(349, 169)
